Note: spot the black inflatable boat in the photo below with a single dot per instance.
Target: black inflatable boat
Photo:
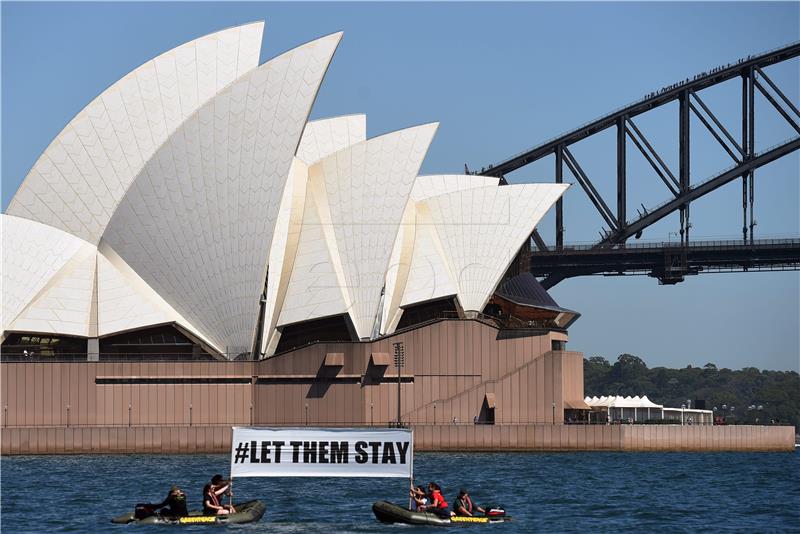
(387, 512)
(247, 512)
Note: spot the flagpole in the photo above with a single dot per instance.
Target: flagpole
(230, 493)
(411, 473)
(230, 472)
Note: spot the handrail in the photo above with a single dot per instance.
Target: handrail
(482, 384)
(716, 244)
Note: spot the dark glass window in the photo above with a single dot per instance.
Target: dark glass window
(427, 311)
(158, 343)
(42, 346)
(338, 328)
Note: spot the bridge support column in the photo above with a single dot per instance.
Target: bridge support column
(751, 148)
(621, 172)
(746, 149)
(560, 201)
(683, 142)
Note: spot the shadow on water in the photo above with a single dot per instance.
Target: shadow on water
(563, 492)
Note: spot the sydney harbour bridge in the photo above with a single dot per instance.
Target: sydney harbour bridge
(670, 262)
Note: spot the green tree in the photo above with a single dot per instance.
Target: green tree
(741, 391)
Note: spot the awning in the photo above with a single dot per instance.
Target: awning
(617, 401)
(334, 359)
(381, 359)
(490, 401)
(576, 405)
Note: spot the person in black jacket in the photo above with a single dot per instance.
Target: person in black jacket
(463, 505)
(174, 504)
(212, 504)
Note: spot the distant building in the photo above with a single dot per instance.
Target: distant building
(190, 209)
(616, 408)
(192, 212)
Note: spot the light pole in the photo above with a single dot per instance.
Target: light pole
(306, 414)
(434, 413)
(669, 236)
(371, 420)
(399, 361)
(554, 413)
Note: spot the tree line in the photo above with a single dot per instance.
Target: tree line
(743, 396)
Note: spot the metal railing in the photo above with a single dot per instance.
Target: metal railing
(711, 244)
(34, 356)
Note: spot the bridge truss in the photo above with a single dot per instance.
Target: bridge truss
(560, 263)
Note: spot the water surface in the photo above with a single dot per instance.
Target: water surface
(545, 492)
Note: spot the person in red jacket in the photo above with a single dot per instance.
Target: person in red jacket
(437, 503)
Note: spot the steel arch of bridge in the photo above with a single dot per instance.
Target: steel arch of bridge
(743, 153)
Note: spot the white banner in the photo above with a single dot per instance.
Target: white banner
(321, 452)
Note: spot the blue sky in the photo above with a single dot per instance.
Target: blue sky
(499, 78)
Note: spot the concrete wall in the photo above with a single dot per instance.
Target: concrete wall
(216, 439)
(99, 394)
(451, 367)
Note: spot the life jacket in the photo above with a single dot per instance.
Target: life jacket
(438, 499)
(210, 495)
(468, 502)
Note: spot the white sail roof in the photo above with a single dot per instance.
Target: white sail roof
(125, 301)
(481, 229)
(431, 185)
(325, 136)
(64, 304)
(33, 254)
(78, 181)
(432, 276)
(198, 222)
(367, 187)
(316, 287)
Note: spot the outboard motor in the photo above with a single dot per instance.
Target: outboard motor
(495, 511)
(143, 510)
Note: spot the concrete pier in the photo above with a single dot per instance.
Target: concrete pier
(473, 438)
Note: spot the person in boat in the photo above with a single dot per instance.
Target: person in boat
(463, 505)
(420, 498)
(212, 504)
(437, 503)
(174, 505)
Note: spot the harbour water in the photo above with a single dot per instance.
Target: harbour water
(563, 492)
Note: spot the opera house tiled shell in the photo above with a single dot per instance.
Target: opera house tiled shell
(194, 192)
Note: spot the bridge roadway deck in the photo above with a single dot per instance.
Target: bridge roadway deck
(668, 261)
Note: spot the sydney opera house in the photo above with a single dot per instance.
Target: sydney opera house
(192, 214)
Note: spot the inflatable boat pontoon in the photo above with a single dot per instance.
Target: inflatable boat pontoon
(247, 512)
(387, 512)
